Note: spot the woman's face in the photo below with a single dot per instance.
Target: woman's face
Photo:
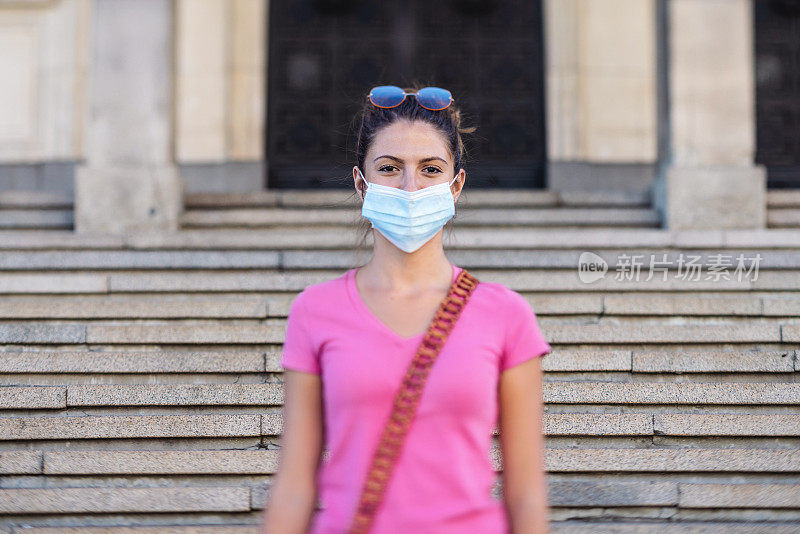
(410, 156)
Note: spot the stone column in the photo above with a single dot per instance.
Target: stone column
(601, 93)
(129, 182)
(220, 93)
(711, 180)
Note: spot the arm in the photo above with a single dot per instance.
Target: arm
(523, 447)
(293, 495)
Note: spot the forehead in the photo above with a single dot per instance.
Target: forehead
(406, 139)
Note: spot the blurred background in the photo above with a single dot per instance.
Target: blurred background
(174, 172)
(647, 96)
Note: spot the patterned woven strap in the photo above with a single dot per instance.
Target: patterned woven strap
(407, 399)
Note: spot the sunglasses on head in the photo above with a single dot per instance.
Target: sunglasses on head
(390, 96)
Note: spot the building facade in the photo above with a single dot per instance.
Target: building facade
(128, 104)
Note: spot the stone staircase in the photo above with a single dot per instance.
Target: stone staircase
(476, 209)
(783, 208)
(579, 209)
(140, 386)
(36, 210)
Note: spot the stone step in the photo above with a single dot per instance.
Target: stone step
(556, 331)
(146, 307)
(783, 218)
(489, 238)
(35, 199)
(144, 362)
(507, 217)
(729, 261)
(473, 197)
(259, 462)
(570, 392)
(38, 218)
(762, 495)
(104, 427)
(231, 497)
(692, 304)
(170, 528)
(276, 305)
(582, 526)
(160, 529)
(650, 526)
(294, 282)
(71, 500)
(559, 360)
(784, 198)
(242, 425)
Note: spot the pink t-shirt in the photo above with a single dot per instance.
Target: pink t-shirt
(443, 478)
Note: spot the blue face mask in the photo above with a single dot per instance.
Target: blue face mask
(409, 219)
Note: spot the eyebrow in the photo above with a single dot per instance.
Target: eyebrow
(401, 161)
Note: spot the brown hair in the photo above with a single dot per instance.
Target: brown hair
(371, 119)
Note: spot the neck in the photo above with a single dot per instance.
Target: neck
(391, 268)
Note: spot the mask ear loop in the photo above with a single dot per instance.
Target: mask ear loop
(364, 190)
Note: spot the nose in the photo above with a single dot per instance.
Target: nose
(409, 182)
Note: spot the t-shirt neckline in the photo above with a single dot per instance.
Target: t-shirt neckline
(361, 306)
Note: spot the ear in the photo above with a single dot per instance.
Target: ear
(356, 178)
(459, 183)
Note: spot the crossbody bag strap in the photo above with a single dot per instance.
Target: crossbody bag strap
(407, 399)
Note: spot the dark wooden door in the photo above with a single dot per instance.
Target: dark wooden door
(324, 56)
(777, 37)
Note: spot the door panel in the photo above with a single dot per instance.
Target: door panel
(777, 27)
(324, 56)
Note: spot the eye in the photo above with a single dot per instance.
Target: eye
(435, 169)
(384, 167)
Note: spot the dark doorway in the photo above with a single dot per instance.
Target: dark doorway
(325, 55)
(777, 43)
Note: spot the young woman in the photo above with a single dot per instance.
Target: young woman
(350, 340)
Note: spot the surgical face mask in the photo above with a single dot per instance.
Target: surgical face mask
(409, 219)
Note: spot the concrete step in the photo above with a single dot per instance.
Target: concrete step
(140, 385)
(72, 500)
(582, 526)
(467, 217)
(49, 366)
(482, 238)
(36, 211)
(783, 218)
(783, 198)
(342, 198)
(256, 462)
(573, 392)
(618, 260)
(783, 208)
(558, 331)
(545, 280)
(34, 199)
(232, 498)
(36, 219)
(150, 306)
(150, 427)
(243, 425)
(276, 305)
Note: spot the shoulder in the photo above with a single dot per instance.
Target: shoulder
(321, 294)
(504, 298)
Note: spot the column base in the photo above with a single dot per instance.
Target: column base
(713, 197)
(122, 199)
